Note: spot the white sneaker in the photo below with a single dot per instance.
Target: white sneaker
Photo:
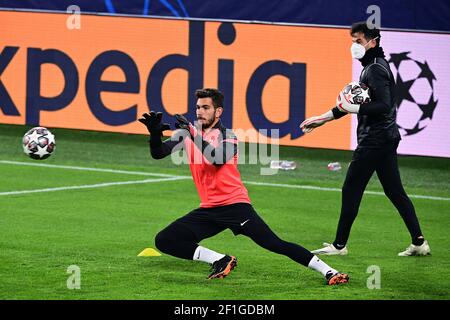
(330, 250)
(413, 250)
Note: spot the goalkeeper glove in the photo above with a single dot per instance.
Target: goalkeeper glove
(344, 105)
(183, 123)
(311, 123)
(153, 123)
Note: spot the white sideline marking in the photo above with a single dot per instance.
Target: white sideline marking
(88, 186)
(89, 169)
(176, 177)
(377, 193)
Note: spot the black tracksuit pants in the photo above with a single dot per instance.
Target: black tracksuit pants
(181, 237)
(365, 161)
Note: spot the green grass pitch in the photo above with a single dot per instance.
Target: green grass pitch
(101, 230)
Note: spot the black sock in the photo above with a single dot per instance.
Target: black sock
(338, 246)
(418, 241)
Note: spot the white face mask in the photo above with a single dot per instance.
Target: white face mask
(358, 50)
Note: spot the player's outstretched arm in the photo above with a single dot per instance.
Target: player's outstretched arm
(158, 149)
(311, 123)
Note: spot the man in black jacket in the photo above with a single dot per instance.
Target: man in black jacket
(378, 139)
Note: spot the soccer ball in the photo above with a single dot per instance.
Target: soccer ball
(38, 143)
(356, 93)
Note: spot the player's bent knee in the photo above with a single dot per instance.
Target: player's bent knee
(163, 242)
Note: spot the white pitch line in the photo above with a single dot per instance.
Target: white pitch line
(377, 193)
(89, 186)
(265, 184)
(141, 173)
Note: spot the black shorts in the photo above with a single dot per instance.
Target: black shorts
(207, 222)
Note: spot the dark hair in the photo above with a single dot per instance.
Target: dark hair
(214, 94)
(369, 32)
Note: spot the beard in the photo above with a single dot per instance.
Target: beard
(207, 123)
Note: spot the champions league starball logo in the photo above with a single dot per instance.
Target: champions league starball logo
(415, 98)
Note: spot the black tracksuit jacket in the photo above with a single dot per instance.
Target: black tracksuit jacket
(377, 125)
